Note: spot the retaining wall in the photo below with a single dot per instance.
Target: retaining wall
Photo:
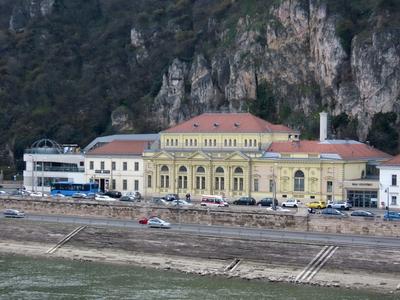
(259, 218)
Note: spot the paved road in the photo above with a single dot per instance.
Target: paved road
(240, 232)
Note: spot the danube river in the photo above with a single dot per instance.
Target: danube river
(38, 278)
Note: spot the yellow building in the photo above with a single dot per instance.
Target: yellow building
(239, 154)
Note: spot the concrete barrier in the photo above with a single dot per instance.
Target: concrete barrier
(258, 218)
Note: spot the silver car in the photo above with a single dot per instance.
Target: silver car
(156, 222)
(339, 205)
(13, 213)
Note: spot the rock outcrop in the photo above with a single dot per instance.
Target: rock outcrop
(298, 52)
(25, 10)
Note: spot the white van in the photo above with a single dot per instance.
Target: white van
(214, 200)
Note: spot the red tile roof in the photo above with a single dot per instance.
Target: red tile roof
(227, 123)
(121, 148)
(345, 149)
(395, 161)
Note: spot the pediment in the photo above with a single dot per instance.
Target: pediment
(163, 155)
(200, 155)
(237, 155)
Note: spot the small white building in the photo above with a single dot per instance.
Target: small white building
(47, 162)
(118, 164)
(389, 179)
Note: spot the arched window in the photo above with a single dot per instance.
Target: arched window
(238, 170)
(167, 142)
(299, 181)
(225, 142)
(200, 178)
(210, 142)
(250, 143)
(164, 177)
(215, 143)
(195, 143)
(205, 143)
(255, 143)
(176, 142)
(201, 170)
(182, 179)
(219, 179)
(219, 170)
(245, 143)
(238, 180)
(230, 143)
(234, 143)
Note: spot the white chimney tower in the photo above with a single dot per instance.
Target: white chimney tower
(323, 126)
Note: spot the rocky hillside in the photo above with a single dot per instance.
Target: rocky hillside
(71, 70)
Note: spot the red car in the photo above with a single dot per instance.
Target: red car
(143, 220)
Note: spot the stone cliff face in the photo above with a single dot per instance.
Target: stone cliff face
(299, 53)
(145, 65)
(25, 10)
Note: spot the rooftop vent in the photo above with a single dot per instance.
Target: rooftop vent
(196, 125)
(216, 124)
(237, 124)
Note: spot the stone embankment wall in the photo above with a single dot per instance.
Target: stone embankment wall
(259, 218)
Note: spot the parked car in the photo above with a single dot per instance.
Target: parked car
(333, 212)
(362, 213)
(391, 215)
(136, 195)
(155, 222)
(78, 195)
(103, 198)
(316, 204)
(245, 201)
(291, 203)
(113, 194)
(340, 205)
(37, 194)
(267, 202)
(278, 208)
(214, 201)
(159, 201)
(171, 197)
(19, 192)
(3, 193)
(127, 198)
(13, 213)
(58, 196)
(180, 203)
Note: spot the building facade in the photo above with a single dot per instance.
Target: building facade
(389, 176)
(47, 162)
(241, 155)
(117, 165)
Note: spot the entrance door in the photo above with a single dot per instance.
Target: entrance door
(362, 198)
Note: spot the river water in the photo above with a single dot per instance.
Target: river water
(39, 278)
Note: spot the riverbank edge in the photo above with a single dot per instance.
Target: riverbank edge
(245, 270)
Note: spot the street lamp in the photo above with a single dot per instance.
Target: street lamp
(388, 199)
(273, 188)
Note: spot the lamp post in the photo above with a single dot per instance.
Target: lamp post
(42, 177)
(273, 187)
(388, 204)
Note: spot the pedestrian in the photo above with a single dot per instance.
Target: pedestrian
(188, 197)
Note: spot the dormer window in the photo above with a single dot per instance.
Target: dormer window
(195, 125)
(216, 124)
(237, 124)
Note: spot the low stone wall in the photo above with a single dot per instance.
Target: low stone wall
(208, 216)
